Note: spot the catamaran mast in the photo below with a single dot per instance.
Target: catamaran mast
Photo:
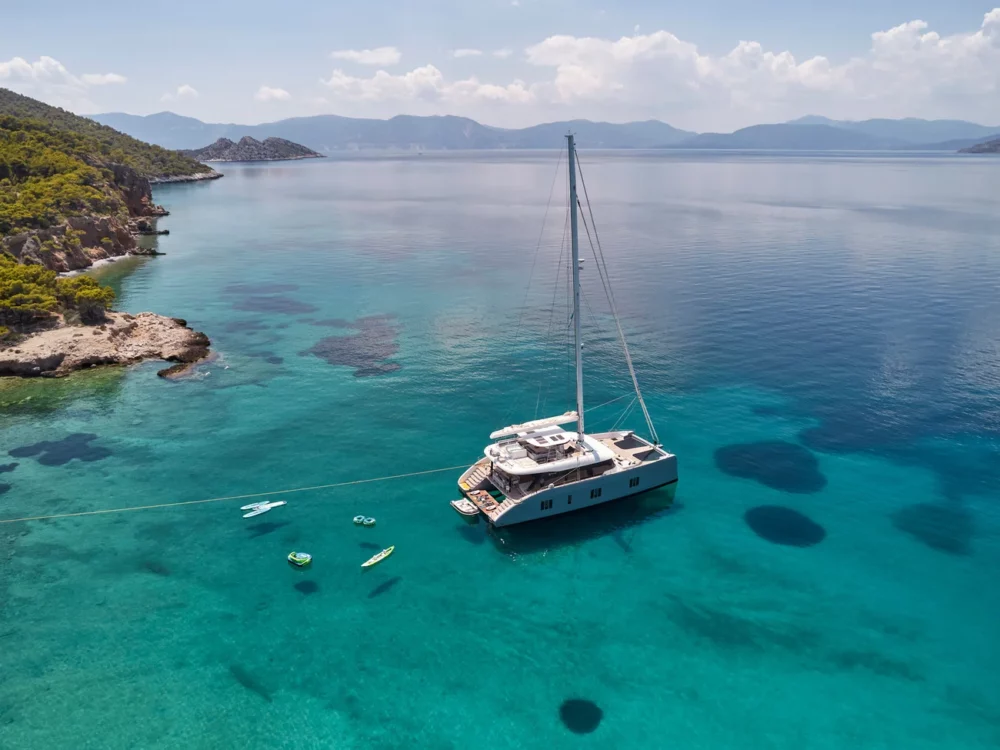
(578, 343)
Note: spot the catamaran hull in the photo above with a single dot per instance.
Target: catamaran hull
(587, 493)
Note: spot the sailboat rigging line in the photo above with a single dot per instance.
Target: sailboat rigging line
(606, 281)
(225, 498)
(609, 402)
(531, 274)
(624, 415)
(538, 246)
(552, 307)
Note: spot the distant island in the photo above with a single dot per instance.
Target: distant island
(989, 147)
(73, 192)
(330, 134)
(250, 149)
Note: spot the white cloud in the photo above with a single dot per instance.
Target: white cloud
(909, 70)
(466, 52)
(377, 56)
(102, 79)
(184, 91)
(504, 53)
(268, 94)
(48, 79)
(426, 83)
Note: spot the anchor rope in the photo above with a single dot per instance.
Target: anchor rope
(232, 497)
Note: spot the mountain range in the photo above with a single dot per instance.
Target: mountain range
(332, 133)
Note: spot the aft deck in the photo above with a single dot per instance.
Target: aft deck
(489, 505)
(629, 449)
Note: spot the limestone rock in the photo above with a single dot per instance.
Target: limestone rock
(122, 339)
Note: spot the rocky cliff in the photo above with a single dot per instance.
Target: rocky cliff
(250, 149)
(80, 241)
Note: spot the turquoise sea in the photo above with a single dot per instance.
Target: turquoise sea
(818, 337)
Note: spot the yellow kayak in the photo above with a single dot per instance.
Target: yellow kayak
(375, 559)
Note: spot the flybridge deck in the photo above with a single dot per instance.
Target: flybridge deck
(547, 450)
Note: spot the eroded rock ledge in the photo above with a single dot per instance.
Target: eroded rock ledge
(122, 340)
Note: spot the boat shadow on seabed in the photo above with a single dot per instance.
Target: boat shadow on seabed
(571, 529)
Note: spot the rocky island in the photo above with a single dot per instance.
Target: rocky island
(250, 149)
(989, 147)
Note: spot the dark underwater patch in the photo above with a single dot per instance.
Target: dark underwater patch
(782, 466)
(370, 545)
(580, 716)
(4, 488)
(278, 305)
(877, 663)
(384, 587)
(61, 452)
(332, 323)
(156, 568)
(941, 527)
(472, 534)
(367, 351)
(267, 527)
(268, 356)
(250, 682)
(726, 629)
(237, 326)
(780, 525)
(260, 288)
(6, 468)
(307, 587)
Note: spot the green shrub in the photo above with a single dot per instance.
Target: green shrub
(29, 294)
(104, 144)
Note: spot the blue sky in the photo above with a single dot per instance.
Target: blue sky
(712, 64)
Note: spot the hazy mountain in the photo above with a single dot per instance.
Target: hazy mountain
(165, 129)
(647, 134)
(910, 129)
(330, 133)
(327, 133)
(250, 149)
(791, 137)
(958, 144)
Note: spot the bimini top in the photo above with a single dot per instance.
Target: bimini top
(534, 426)
(554, 452)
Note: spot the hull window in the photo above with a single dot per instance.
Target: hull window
(546, 504)
(569, 500)
(595, 493)
(634, 482)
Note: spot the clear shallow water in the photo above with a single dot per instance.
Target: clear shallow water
(817, 333)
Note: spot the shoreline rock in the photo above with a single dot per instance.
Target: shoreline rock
(186, 178)
(123, 339)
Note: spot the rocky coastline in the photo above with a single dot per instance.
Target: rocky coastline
(80, 241)
(122, 339)
(201, 176)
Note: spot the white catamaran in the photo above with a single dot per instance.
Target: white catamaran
(538, 469)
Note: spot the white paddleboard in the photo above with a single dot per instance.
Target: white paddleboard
(254, 506)
(263, 509)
